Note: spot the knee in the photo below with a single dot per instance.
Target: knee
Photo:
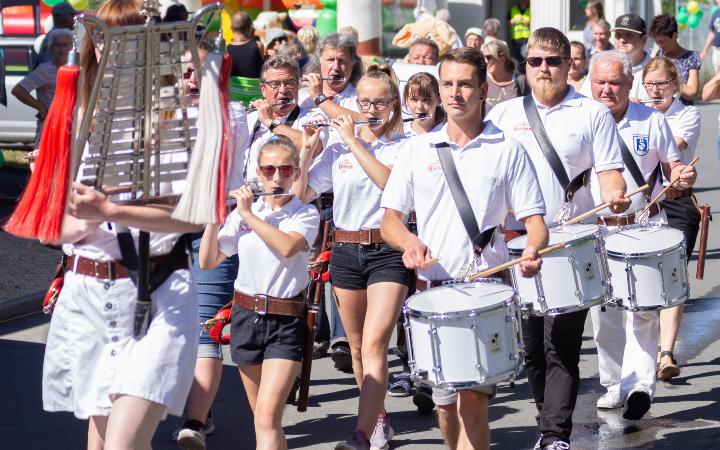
(266, 420)
(447, 414)
(472, 405)
(373, 350)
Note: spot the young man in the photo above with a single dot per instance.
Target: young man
(497, 176)
(584, 137)
(626, 357)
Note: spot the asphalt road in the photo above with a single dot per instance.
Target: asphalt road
(685, 413)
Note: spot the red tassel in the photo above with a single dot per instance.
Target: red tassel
(40, 210)
(223, 166)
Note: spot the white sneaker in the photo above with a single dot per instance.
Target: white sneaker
(189, 439)
(610, 400)
(537, 444)
(382, 434)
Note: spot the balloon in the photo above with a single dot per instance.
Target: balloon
(682, 17)
(693, 7)
(694, 21)
(80, 5)
(682, 26)
(52, 2)
(327, 21)
(682, 9)
(699, 13)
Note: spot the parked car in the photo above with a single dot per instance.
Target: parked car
(17, 120)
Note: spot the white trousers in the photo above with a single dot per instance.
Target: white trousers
(627, 347)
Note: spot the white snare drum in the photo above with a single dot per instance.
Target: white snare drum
(649, 267)
(571, 279)
(463, 335)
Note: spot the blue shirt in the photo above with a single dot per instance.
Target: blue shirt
(715, 28)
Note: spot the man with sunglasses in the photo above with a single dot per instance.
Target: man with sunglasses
(496, 175)
(583, 137)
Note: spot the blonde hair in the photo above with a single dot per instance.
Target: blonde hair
(308, 37)
(282, 142)
(550, 39)
(385, 74)
(664, 63)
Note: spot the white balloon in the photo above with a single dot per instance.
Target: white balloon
(48, 24)
(38, 43)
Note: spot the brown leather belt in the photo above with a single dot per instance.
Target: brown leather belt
(621, 221)
(263, 304)
(358, 237)
(513, 234)
(114, 270)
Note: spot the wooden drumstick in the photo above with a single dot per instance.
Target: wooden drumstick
(667, 188)
(587, 214)
(431, 261)
(507, 265)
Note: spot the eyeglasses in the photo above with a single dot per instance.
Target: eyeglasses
(551, 61)
(661, 84)
(379, 105)
(275, 84)
(285, 171)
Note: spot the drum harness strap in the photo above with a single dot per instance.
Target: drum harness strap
(289, 122)
(479, 240)
(570, 187)
(631, 165)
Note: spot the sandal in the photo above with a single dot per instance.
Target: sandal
(401, 385)
(667, 371)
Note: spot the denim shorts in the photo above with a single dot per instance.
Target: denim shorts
(215, 290)
(357, 266)
(255, 338)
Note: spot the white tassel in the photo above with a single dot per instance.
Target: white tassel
(198, 202)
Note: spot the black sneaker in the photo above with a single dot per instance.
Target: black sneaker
(423, 400)
(636, 405)
(208, 427)
(341, 356)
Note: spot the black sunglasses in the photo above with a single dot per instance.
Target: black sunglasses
(552, 61)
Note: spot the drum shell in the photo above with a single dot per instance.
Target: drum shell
(463, 349)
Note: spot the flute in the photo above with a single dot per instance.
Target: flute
(370, 121)
(652, 101)
(256, 195)
(336, 79)
(422, 117)
(282, 102)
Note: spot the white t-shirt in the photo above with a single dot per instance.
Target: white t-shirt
(636, 91)
(262, 270)
(356, 203)
(647, 135)
(410, 132)
(583, 133)
(684, 122)
(347, 99)
(497, 175)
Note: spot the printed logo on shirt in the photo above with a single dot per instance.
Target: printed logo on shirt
(522, 127)
(641, 144)
(434, 166)
(345, 166)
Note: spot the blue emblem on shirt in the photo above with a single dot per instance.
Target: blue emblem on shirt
(641, 144)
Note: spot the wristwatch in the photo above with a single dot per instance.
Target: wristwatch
(320, 98)
(274, 124)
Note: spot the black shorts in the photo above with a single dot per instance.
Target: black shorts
(357, 266)
(255, 338)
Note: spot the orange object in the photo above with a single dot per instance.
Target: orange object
(223, 167)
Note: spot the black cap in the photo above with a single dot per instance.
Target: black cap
(630, 22)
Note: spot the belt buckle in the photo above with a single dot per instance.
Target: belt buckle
(369, 237)
(264, 299)
(109, 270)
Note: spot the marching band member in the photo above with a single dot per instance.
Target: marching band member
(271, 237)
(662, 81)
(626, 357)
(94, 365)
(497, 175)
(368, 277)
(422, 100)
(584, 136)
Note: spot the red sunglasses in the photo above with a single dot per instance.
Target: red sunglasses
(285, 171)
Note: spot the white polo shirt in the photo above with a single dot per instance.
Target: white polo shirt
(262, 270)
(636, 91)
(649, 138)
(583, 133)
(356, 199)
(410, 132)
(347, 99)
(684, 122)
(497, 175)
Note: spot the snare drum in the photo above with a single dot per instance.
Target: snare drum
(649, 267)
(463, 335)
(571, 279)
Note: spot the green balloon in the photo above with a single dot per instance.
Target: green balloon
(699, 14)
(682, 17)
(694, 21)
(52, 2)
(326, 22)
(330, 4)
(682, 9)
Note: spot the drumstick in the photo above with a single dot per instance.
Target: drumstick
(431, 261)
(657, 197)
(587, 214)
(507, 265)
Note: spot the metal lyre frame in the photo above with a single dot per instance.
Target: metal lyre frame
(136, 127)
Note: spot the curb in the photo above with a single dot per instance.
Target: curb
(20, 306)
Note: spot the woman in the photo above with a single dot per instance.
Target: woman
(369, 277)
(661, 80)
(593, 11)
(578, 65)
(271, 238)
(422, 98)
(503, 81)
(247, 54)
(94, 365)
(664, 29)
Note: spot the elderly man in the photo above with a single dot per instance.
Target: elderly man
(601, 37)
(626, 357)
(474, 38)
(63, 15)
(423, 51)
(582, 136)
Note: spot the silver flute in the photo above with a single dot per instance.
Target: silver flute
(652, 101)
(283, 102)
(371, 121)
(256, 195)
(422, 117)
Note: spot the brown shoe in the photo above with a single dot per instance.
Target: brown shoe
(667, 370)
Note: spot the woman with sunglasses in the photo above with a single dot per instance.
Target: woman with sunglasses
(661, 81)
(422, 100)
(271, 237)
(504, 82)
(368, 276)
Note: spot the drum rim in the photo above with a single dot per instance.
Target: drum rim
(597, 235)
(678, 301)
(563, 310)
(511, 301)
(508, 375)
(672, 248)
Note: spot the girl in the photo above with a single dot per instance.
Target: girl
(662, 82)
(271, 237)
(369, 277)
(422, 97)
